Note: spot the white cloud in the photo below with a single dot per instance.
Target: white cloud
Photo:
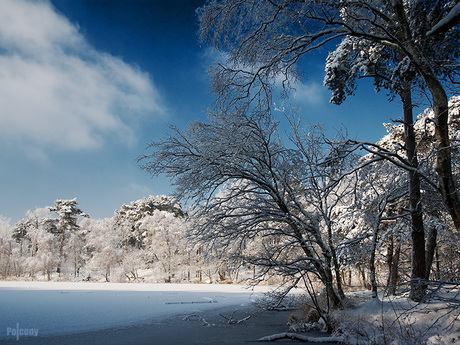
(58, 91)
(310, 93)
(210, 56)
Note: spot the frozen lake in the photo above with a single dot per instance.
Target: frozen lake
(55, 308)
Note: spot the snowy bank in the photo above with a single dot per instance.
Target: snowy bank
(400, 321)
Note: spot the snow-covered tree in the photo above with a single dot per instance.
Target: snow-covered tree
(130, 216)
(47, 257)
(152, 232)
(75, 251)
(68, 213)
(392, 145)
(164, 238)
(38, 248)
(283, 194)
(398, 43)
(382, 197)
(6, 247)
(103, 246)
(266, 39)
(20, 233)
(355, 58)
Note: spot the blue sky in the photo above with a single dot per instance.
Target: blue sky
(87, 84)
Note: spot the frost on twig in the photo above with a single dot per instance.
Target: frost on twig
(232, 320)
(196, 317)
(304, 338)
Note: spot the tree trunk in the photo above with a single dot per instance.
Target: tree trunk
(393, 276)
(390, 253)
(362, 275)
(332, 296)
(446, 181)
(327, 278)
(373, 275)
(444, 153)
(61, 251)
(335, 261)
(324, 270)
(441, 115)
(415, 198)
(438, 269)
(372, 259)
(430, 250)
(338, 276)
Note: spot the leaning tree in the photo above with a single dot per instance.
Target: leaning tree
(248, 185)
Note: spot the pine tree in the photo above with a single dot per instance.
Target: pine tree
(68, 213)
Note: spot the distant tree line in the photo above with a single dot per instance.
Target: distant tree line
(144, 240)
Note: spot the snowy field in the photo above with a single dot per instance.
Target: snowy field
(60, 308)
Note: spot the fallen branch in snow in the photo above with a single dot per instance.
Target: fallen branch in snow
(296, 336)
(196, 317)
(192, 302)
(282, 308)
(231, 320)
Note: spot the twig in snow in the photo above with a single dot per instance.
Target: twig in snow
(231, 320)
(282, 309)
(196, 317)
(304, 338)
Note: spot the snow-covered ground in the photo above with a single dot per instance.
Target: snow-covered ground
(400, 321)
(56, 308)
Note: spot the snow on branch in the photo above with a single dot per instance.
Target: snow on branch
(449, 21)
